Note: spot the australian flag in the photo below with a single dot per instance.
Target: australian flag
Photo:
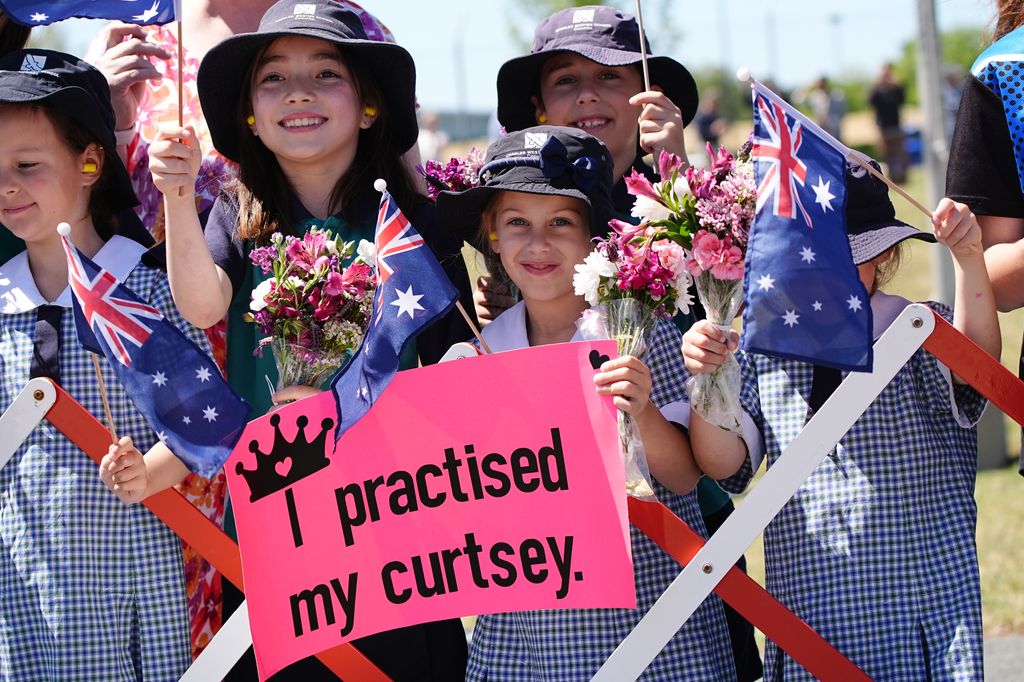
(174, 384)
(803, 296)
(42, 12)
(412, 292)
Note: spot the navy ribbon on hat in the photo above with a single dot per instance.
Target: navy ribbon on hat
(553, 162)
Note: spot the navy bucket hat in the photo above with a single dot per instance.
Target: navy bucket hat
(871, 223)
(540, 160)
(66, 84)
(224, 68)
(602, 34)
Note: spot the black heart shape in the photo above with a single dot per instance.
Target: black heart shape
(596, 359)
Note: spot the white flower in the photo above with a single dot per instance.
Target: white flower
(684, 299)
(589, 274)
(259, 295)
(331, 245)
(296, 282)
(680, 187)
(649, 210)
(367, 251)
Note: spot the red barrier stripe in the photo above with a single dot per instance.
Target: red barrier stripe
(171, 507)
(968, 361)
(752, 601)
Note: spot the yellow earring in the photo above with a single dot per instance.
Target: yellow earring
(543, 118)
(370, 111)
(251, 120)
(492, 235)
(89, 167)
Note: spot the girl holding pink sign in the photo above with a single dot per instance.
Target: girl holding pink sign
(545, 192)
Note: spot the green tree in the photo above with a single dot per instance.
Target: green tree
(960, 46)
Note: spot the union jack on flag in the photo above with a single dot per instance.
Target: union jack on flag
(173, 383)
(120, 320)
(394, 235)
(778, 148)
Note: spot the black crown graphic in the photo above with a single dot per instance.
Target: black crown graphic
(286, 462)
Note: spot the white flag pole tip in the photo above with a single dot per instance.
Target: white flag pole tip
(380, 185)
(743, 74)
(64, 230)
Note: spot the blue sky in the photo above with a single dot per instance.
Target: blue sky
(812, 37)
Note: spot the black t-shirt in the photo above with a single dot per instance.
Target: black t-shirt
(982, 171)
(886, 99)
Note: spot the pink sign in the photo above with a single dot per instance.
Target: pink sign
(475, 486)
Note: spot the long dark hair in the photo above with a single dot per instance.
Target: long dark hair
(1009, 15)
(261, 189)
(77, 140)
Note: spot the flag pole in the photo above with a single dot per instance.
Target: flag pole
(181, 87)
(643, 47)
(474, 328)
(103, 397)
(860, 159)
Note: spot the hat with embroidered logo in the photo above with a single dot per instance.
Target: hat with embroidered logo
(224, 68)
(602, 34)
(871, 223)
(76, 89)
(540, 160)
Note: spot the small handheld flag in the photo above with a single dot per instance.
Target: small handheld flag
(174, 384)
(412, 292)
(40, 13)
(804, 298)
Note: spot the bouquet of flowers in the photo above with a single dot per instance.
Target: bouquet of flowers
(708, 212)
(314, 308)
(634, 276)
(460, 173)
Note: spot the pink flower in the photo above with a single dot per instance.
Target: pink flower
(639, 186)
(668, 164)
(671, 256)
(730, 263)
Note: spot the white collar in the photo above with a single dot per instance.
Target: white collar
(885, 308)
(18, 292)
(508, 330)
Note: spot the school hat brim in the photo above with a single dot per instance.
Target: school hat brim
(63, 83)
(873, 241)
(519, 80)
(224, 68)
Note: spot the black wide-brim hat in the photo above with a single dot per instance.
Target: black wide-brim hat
(548, 160)
(604, 35)
(224, 68)
(66, 84)
(871, 223)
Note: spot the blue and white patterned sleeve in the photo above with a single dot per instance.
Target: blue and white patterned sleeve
(752, 420)
(664, 358)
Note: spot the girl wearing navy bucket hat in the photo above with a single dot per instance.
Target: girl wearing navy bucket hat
(92, 589)
(313, 111)
(545, 193)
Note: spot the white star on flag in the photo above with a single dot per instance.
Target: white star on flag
(790, 318)
(203, 374)
(160, 379)
(39, 16)
(210, 414)
(162, 436)
(149, 13)
(407, 302)
(765, 282)
(817, 306)
(806, 255)
(822, 195)
(854, 303)
(186, 420)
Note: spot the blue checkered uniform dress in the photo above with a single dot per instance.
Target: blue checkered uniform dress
(90, 588)
(571, 644)
(876, 551)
